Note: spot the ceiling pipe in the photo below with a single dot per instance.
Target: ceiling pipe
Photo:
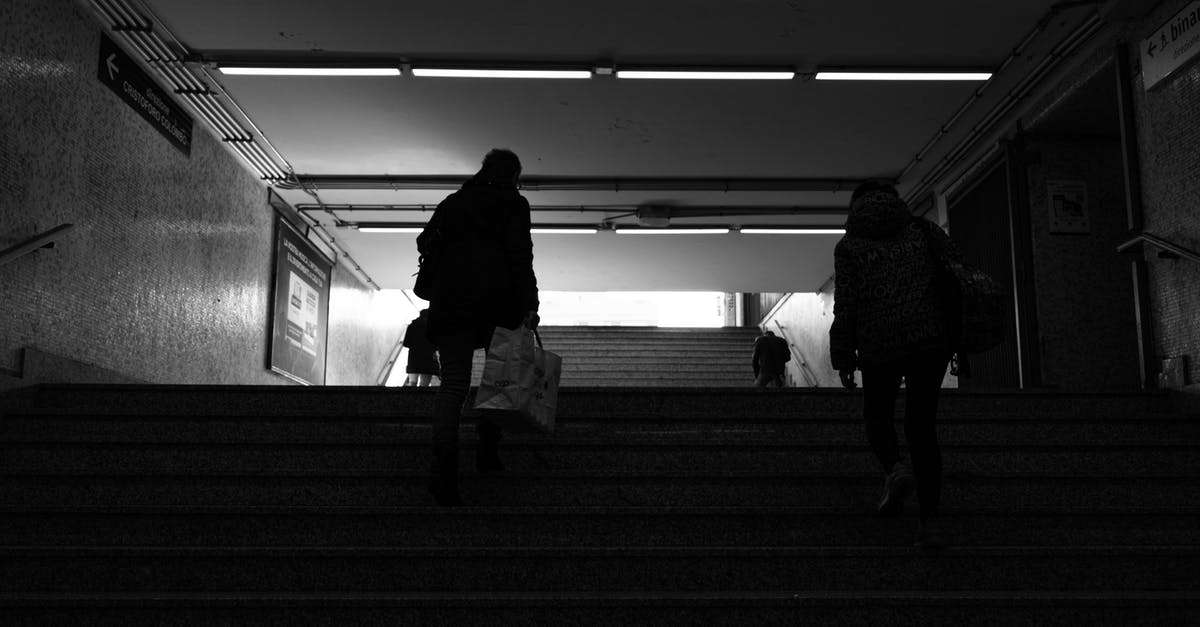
(676, 212)
(949, 161)
(561, 183)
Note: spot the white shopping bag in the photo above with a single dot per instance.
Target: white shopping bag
(519, 382)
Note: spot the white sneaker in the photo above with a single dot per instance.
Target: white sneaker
(896, 487)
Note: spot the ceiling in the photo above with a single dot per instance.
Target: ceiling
(712, 152)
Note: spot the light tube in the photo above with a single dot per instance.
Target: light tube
(653, 231)
(806, 231)
(310, 71)
(903, 76)
(389, 229)
(482, 73)
(563, 231)
(705, 75)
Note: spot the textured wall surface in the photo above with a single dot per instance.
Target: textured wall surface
(1084, 287)
(1169, 145)
(167, 275)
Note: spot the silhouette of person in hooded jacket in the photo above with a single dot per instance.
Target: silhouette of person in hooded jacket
(889, 323)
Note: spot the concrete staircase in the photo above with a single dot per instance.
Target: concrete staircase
(649, 356)
(285, 505)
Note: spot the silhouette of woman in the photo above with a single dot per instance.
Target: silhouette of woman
(889, 323)
(484, 279)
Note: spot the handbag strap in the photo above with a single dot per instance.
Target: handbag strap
(538, 337)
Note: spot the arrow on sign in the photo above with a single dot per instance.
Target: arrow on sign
(112, 65)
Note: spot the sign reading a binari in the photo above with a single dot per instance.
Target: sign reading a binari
(1171, 46)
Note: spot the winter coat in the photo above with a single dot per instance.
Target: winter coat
(771, 353)
(886, 305)
(421, 356)
(485, 271)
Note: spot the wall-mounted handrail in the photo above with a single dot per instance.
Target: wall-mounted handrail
(1154, 240)
(42, 240)
(803, 364)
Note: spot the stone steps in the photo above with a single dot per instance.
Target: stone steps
(294, 505)
(564, 569)
(578, 526)
(647, 456)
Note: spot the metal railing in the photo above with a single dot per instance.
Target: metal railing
(1170, 250)
(42, 240)
(802, 363)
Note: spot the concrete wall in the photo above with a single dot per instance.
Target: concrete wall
(1169, 145)
(166, 277)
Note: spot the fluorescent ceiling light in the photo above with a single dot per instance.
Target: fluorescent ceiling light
(706, 75)
(310, 71)
(804, 231)
(680, 231)
(563, 230)
(389, 229)
(903, 76)
(482, 73)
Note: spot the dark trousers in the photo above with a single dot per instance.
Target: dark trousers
(922, 374)
(456, 353)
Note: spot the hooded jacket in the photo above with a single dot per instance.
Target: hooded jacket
(886, 304)
(485, 271)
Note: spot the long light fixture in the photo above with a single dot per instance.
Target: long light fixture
(677, 231)
(235, 70)
(902, 76)
(498, 73)
(799, 231)
(564, 230)
(711, 75)
(388, 229)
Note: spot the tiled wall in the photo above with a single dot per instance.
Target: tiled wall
(1085, 302)
(166, 277)
(1169, 143)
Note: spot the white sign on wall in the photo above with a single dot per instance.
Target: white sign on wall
(1068, 206)
(1171, 46)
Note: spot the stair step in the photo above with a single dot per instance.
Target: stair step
(786, 607)
(53, 426)
(598, 488)
(561, 569)
(648, 456)
(584, 526)
(682, 403)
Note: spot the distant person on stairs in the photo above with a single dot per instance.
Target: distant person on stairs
(484, 279)
(422, 364)
(887, 323)
(771, 354)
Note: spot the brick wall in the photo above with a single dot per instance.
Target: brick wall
(166, 277)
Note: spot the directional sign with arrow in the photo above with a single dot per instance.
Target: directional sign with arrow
(1172, 46)
(127, 79)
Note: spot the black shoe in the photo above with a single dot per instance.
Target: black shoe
(929, 537)
(896, 487)
(443, 480)
(487, 455)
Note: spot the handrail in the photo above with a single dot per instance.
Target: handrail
(1154, 240)
(43, 240)
(803, 363)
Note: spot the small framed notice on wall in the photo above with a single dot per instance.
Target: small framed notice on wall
(1068, 206)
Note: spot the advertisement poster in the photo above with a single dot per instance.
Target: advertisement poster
(1068, 206)
(300, 320)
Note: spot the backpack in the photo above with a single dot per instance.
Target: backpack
(972, 302)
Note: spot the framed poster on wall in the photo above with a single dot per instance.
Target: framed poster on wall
(300, 307)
